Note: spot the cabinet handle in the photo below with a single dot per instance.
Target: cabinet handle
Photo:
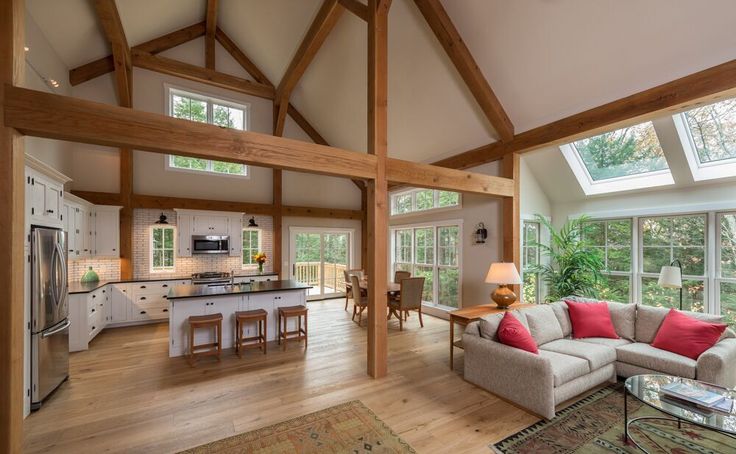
(93, 309)
(143, 298)
(143, 312)
(143, 286)
(165, 285)
(103, 291)
(94, 296)
(49, 211)
(166, 310)
(165, 297)
(94, 328)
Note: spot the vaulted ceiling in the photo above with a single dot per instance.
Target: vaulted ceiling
(545, 59)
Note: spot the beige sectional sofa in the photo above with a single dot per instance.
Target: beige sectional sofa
(566, 367)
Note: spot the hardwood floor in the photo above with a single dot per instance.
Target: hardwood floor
(126, 395)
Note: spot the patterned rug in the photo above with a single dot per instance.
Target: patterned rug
(347, 428)
(596, 425)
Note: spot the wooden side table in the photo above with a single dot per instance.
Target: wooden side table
(470, 314)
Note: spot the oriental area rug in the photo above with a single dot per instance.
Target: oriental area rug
(346, 428)
(596, 425)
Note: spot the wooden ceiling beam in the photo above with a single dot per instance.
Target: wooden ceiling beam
(107, 13)
(322, 25)
(209, 37)
(106, 65)
(327, 213)
(356, 7)
(441, 24)
(703, 87)
(207, 76)
(59, 117)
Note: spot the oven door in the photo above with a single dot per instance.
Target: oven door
(208, 244)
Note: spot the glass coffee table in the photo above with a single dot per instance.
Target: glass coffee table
(645, 388)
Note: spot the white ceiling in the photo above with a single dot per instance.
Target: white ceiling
(545, 59)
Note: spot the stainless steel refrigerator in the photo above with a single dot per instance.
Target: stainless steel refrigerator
(49, 313)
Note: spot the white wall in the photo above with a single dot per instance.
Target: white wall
(42, 61)
(96, 168)
(476, 258)
(533, 198)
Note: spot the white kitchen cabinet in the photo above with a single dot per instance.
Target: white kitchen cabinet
(236, 235)
(210, 225)
(184, 232)
(259, 278)
(45, 199)
(181, 310)
(107, 231)
(119, 303)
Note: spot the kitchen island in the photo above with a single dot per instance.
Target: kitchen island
(188, 300)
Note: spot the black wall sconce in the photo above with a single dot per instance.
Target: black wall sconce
(162, 219)
(252, 222)
(481, 233)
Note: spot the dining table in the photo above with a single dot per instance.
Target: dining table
(392, 289)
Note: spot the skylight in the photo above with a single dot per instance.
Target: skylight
(624, 159)
(708, 135)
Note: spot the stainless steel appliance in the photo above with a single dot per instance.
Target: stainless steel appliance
(210, 244)
(49, 313)
(211, 278)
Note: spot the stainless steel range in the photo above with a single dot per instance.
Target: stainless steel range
(211, 278)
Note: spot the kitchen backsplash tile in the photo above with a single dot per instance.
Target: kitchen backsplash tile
(107, 269)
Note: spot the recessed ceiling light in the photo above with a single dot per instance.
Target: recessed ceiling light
(53, 82)
(26, 48)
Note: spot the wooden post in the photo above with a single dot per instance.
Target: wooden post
(512, 215)
(126, 213)
(12, 234)
(364, 227)
(209, 37)
(277, 222)
(378, 187)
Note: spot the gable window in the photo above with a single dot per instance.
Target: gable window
(431, 251)
(708, 135)
(162, 248)
(420, 200)
(620, 160)
(251, 246)
(206, 109)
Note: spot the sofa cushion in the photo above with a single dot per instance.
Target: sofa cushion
(644, 355)
(512, 333)
(543, 324)
(613, 343)
(591, 320)
(596, 355)
(565, 367)
(649, 319)
(489, 323)
(687, 335)
(623, 316)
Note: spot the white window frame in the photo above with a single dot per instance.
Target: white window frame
(701, 171)
(414, 211)
(435, 265)
(259, 249)
(717, 279)
(170, 91)
(165, 269)
(632, 273)
(625, 183)
(524, 270)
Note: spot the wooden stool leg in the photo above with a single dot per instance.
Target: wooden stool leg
(191, 345)
(278, 329)
(265, 335)
(306, 337)
(218, 331)
(298, 328)
(286, 322)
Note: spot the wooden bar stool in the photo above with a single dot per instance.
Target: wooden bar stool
(300, 333)
(213, 348)
(259, 340)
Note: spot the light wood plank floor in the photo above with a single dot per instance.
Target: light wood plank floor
(126, 395)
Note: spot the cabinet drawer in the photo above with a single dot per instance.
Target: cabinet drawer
(149, 298)
(93, 324)
(149, 311)
(162, 287)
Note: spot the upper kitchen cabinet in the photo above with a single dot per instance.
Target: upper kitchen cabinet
(210, 225)
(184, 232)
(44, 194)
(107, 231)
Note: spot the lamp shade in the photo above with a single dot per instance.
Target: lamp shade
(503, 273)
(670, 277)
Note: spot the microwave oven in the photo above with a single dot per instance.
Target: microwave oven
(210, 244)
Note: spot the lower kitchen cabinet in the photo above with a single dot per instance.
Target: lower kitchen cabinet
(181, 310)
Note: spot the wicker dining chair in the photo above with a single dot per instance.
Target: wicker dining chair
(400, 275)
(360, 299)
(348, 284)
(410, 299)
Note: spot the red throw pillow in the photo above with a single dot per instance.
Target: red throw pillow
(686, 335)
(512, 333)
(591, 320)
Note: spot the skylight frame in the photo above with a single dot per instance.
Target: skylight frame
(701, 171)
(646, 180)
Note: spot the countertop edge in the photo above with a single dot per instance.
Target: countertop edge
(101, 283)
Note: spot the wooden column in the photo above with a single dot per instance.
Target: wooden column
(512, 215)
(277, 221)
(377, 188)
(126, 213)
(209, 37)
(364, 227)
(12, 234)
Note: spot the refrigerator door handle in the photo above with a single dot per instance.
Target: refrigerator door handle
(61, 328)
(54, 277)
(62, 265)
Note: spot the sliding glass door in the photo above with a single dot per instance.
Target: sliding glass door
(319, 257)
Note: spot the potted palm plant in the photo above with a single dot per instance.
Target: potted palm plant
(572, 266)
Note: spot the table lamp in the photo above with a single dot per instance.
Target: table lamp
(503, 274)
(671, 277)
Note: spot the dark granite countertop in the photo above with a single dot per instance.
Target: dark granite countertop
(200, 291)
(78, 287)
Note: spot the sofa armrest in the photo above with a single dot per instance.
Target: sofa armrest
(513, 374)
(473, 329)
(717, 365)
